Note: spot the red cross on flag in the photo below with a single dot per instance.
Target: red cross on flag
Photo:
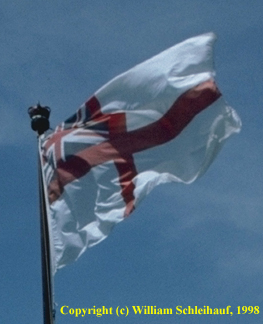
(162, 121)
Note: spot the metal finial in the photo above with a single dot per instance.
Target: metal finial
(39, 118)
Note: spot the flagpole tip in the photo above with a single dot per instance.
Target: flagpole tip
(39, 118)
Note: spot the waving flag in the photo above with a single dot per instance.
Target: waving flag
(162, 121)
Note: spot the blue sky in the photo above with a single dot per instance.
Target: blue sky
(186, 245)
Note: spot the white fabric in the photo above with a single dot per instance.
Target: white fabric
(89, 207)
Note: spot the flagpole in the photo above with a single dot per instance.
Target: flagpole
(40, 123)
(47, 294)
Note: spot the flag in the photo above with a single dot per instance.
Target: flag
(162, 121)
